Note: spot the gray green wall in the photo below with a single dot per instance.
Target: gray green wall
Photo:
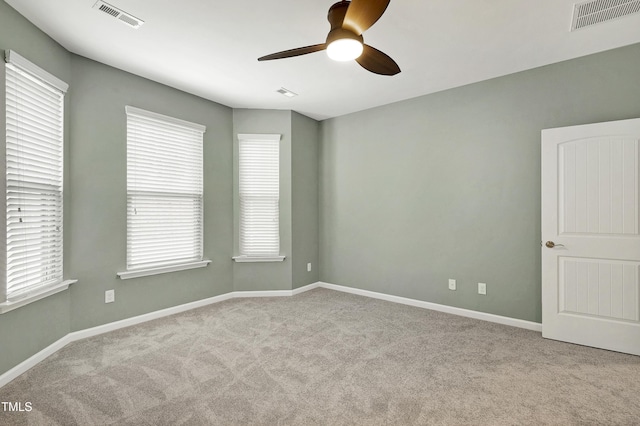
(98, 211)
(448, 185)
(256, 276)
(304, 188)
(298, 201)
(27, 330)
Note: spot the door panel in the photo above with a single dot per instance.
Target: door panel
(599, 287)
(590, 206)
(598, 186)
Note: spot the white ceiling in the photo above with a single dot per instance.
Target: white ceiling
(209, 47)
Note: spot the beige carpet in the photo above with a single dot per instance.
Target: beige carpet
(325, 357)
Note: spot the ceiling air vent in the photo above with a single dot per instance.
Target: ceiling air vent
(121, 15)
(286, 92)
(595, 11)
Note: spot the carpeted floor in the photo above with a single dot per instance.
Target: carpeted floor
(325, 357)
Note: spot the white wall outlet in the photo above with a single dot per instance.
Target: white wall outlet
(309, 267)
(482, 288)
(109, 296)
(452, 284)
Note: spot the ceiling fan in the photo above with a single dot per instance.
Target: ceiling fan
(349, 19)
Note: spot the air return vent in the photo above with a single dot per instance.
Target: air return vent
(596, 11)
(119, 14)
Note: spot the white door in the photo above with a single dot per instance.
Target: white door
(590, 235)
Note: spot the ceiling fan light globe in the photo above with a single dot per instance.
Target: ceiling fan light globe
(344, 49)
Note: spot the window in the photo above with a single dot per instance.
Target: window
(34, 112)
(164, 194)
(259, 196)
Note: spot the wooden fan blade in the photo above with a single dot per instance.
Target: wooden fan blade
(362, 14)
(377, 62)
(294, 52)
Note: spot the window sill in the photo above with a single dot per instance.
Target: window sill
(10, 305)
(136, 273)
(248, 259)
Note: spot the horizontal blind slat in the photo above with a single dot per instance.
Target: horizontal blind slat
(164, 192)
(259, 193)
(34, 158)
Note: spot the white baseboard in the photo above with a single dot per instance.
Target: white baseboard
(264, 293)
(101, 329)
(529, 325)
(274, 293)
(305, 288)
(34, 360)
(128, 322)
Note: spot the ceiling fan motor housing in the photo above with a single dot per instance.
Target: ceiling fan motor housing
(337, 13)
(336, 16)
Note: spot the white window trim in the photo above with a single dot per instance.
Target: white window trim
(130, 110)
(249, 259)
(137, 273)
(11, 57)
(10, 305)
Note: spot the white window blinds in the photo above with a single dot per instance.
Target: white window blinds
(34, 173)
(259, 193)
(164, 190)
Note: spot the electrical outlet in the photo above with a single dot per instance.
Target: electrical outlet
(452, 284)
(109, 296)
(309, 267)
(482, 288)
